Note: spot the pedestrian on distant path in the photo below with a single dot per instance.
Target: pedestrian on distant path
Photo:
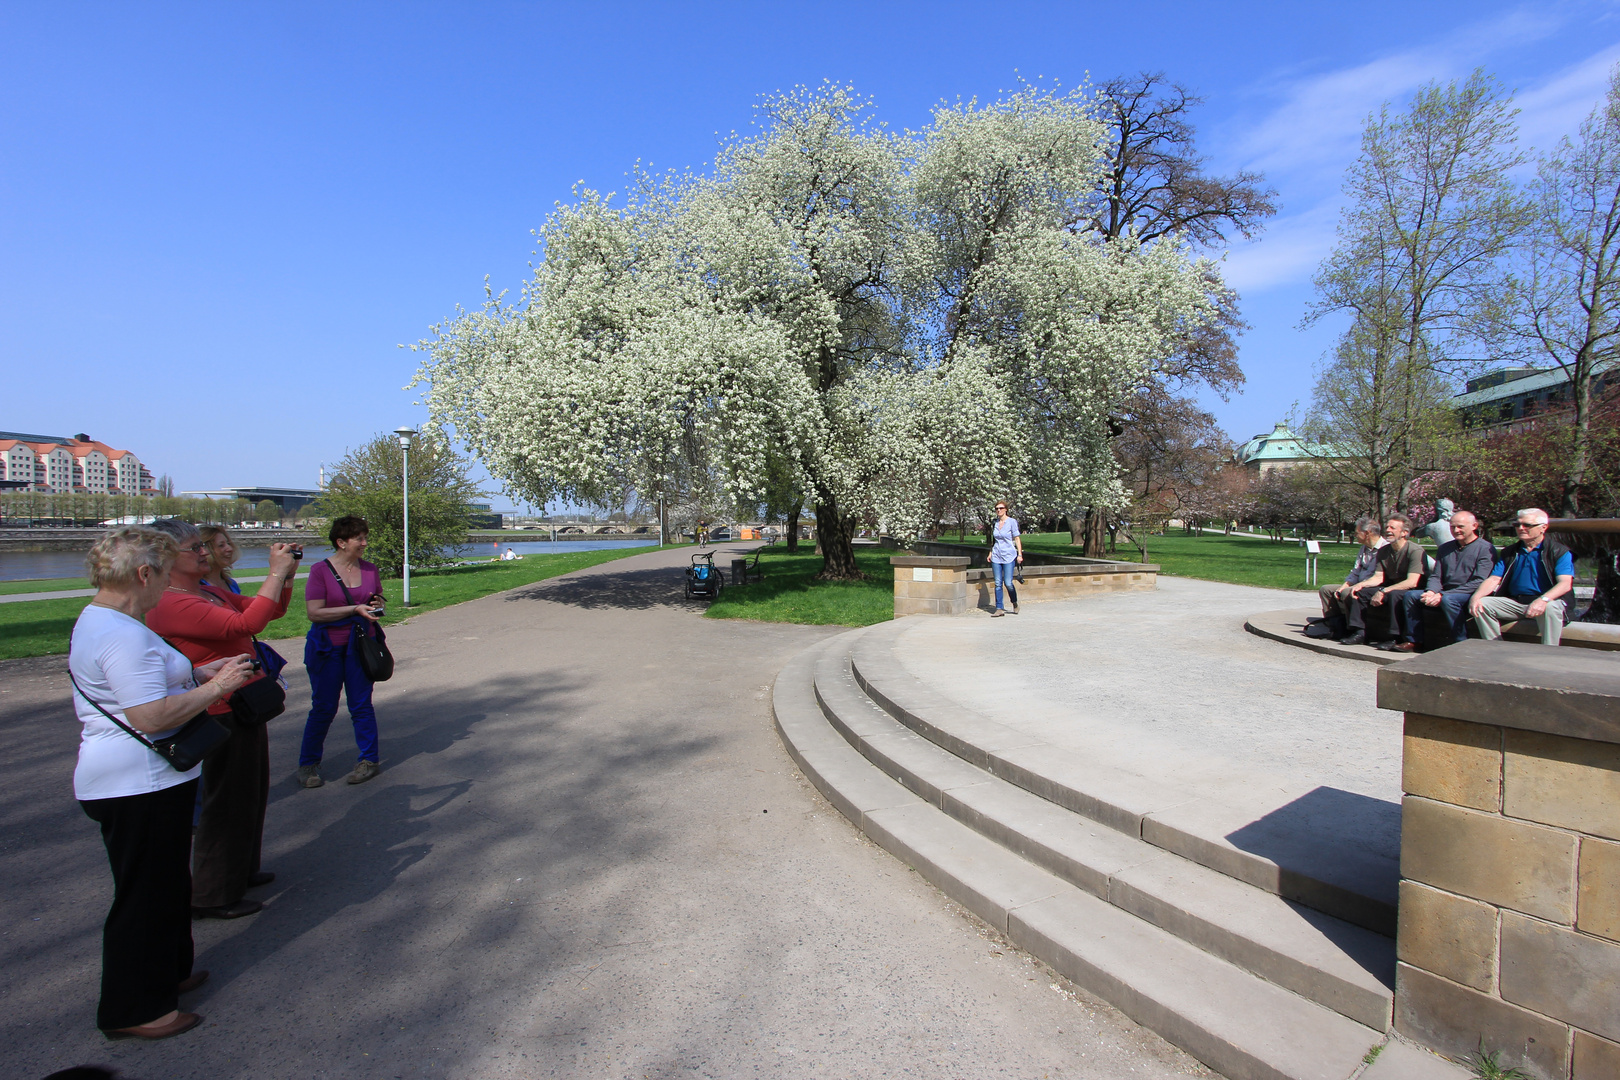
(333, 595)
(130, 685)
(1006, 551)
(207, 623)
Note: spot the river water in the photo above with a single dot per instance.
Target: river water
(30, 565)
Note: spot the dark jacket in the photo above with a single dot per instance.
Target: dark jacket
(1550, 551)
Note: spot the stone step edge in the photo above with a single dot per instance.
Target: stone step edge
(1114, 867)
(1132, 805)
(1236, 1023)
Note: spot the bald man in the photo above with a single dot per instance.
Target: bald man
(1460, 566)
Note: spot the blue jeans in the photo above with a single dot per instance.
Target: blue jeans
(1455, 606)
(1004, 575)
(333, 669)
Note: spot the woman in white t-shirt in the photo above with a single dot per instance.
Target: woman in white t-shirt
(141, 803)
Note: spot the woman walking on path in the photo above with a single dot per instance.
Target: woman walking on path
(1006, 551)
(206, 623)
(331, 593)
(124, 674)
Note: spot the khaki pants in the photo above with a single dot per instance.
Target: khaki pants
(1495, 609)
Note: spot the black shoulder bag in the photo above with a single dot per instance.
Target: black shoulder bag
(185, 749)
(375, 659)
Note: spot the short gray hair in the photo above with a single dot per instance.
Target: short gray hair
(1365, 524)
(1406, 522)
(1541, 517)
(182, 531)
(115, 560)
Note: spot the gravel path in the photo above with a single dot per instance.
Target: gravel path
(1168, 684)
(587, 856)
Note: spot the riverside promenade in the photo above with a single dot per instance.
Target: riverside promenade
(587, 855)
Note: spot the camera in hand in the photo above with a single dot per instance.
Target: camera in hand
(256, 665)
(297, 551)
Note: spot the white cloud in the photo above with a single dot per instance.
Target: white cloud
(1556, 108)
(1288, 252)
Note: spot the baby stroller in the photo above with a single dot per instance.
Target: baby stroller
(703, 581)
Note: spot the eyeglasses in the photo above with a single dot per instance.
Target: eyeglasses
(197, 549)
(1532, 525)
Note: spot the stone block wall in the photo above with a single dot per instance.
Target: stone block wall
(1065, 582)
(929, 585)
(1509, 919)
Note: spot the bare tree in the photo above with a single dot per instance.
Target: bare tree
(1564, 306)
(1155, 187)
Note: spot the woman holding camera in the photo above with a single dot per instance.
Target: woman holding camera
(343, 597)
(205, 622)
(125, 677)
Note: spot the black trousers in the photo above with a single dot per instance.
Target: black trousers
(146, 941)
(235, 791)
(1383, 621)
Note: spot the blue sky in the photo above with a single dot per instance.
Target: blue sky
(219, 221)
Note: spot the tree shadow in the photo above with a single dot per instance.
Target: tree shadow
(605, 587)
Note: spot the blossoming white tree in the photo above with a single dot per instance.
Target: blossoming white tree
(883, 315)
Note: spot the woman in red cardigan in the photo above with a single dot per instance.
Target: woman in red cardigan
(207, 623)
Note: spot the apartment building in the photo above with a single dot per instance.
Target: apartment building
(57, 463)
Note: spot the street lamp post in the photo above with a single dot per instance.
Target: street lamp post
(405, 436)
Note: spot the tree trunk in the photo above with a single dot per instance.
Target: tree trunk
(1095, 531)
(793, 528)
(835, 532)
(1576, 474)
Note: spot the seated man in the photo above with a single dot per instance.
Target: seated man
(1529, 581)
(1459, 566)
(1401, 564)
(1336, 598)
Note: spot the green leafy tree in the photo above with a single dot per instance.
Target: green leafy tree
(368, 482)
(266, 512)
(1433, 213)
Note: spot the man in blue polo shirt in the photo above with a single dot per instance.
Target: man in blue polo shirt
(1529, 581)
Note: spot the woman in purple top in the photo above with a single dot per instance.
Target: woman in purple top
(343, 596)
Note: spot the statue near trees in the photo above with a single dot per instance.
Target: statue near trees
(883, 322)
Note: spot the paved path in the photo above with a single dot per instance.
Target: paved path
(1169, 685)
(587, 856)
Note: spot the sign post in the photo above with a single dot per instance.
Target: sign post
(1312, 550)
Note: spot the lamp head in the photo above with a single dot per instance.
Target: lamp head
(405, 436)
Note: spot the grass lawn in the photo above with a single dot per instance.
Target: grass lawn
(1239, 560)
(790, 592)
(61, 584)
(42, 627)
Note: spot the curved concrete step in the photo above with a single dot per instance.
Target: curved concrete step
(1346, 968)
(1237, 1023)
(1321, 863)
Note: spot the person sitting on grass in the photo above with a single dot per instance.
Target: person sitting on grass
(1533, 576)
(1460, 565)
(1336, 598)
(1400, 566)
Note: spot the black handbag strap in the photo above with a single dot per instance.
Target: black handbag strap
(348, 599)
(143, 740)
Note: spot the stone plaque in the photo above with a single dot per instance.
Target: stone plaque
(922, 573)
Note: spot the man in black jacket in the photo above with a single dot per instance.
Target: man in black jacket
(1529, 581)
(1459, 566)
